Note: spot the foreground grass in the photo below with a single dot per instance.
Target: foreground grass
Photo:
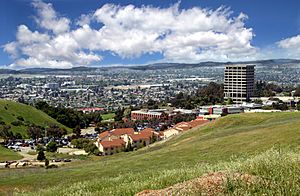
(277, 173)
(8, 155)
(9, 111)
(225, 144)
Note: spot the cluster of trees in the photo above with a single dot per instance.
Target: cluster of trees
(86, 144)
(69, 117)
(210, 94)
(52, 130)
(7, 134)
(264, 89)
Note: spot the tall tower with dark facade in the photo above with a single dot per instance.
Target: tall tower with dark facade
(239, 82)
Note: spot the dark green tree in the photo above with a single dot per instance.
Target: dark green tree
(51, 147)
(41, 155)
(77, 131)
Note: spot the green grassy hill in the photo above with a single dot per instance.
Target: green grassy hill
(8, 155)
(10, 112)
(263, 145)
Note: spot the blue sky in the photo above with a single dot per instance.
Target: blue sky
(67, 33)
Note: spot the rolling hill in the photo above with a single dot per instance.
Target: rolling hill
(155, 66)
(11, 112)
(262, 146)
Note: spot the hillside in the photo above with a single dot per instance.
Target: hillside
(263, 146)
(12, 112)
(8, 155)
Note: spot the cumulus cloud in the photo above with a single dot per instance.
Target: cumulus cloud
(49, 19)
(290, 47)
(189, 35)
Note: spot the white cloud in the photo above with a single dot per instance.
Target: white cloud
(189, 35)
(290, 43)
(12, 49)
(25, 36)
(48, 18)
(290, 47)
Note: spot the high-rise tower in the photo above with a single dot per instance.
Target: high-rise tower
(238, 83)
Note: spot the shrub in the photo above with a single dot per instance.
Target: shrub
(51, 147)
(20, 118)
(41, 156)
(17, 123)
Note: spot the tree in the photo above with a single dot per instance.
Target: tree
(46, 162)
(144, 143)
(34, 132)
(80, 142)
(91, 148)
(119, 115)
(77, 131)
(97, 129)
(41, 155)
(129, 147)
(55, 131)
(229, 101)
(297, 91)
(5, 133)
(51, 147)
(153, 139)
(298, 106)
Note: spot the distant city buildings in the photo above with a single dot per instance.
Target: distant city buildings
(238, 83)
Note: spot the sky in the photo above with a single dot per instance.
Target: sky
(70, 33)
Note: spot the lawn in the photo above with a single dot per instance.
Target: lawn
(108, 116)
(8, 155)
(231, 143)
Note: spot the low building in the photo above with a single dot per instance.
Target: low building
(139, 140)
(112, 146)
(148, 114)
(169, 133)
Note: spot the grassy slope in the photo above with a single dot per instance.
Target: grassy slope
(184, 157)
(8, 155)
(27, 112)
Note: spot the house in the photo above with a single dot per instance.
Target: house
(114, 134)
(182, 126)
(197, 122)
(139, 140)
(151, 133)
(122, 131)
(170, 132)
(111, 147)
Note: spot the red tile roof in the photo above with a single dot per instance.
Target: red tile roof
(196, 123)
(122, 131)
(137, 137)
(148, 132)
(113, 143)
(104, 134)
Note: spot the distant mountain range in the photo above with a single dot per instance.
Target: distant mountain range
(155, 66)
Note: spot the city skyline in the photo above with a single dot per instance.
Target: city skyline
(59, 34)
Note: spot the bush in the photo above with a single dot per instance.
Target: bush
(51, 166)
(46, 162)
(41, 156)
(17, 123)
(51, 147)
(40, 148)
(20, 118)
(91, 148)
(80, 143)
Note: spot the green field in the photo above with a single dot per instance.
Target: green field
(9, 111)
(8, 155)
(262, 145)
(108, 116)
